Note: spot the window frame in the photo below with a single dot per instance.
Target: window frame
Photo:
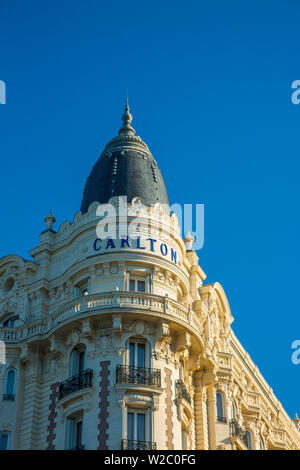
(8, 434)
(248, 435)
(12, 318)
(71, 434)
(78, 351)
(136, 277)
(148, 424)
(10, 369)
(220, 402)
(136, 341)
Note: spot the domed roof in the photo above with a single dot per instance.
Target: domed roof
(126, 167)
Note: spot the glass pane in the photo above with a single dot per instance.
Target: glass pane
(130, 426)
(141, 286)
(248, 437)
(79, 434)
(71, 434)
(141, 355)
(10, 382)
(219, 405)
(3, 441)
(74, 363)
(132, 285)
(132, 354)
(140, 427)
(81, 362)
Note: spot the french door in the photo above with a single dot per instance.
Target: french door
(136, 426)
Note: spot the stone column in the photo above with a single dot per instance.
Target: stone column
(211, 410)
(201, 431)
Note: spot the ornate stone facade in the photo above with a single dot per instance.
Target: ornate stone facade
(77, 325)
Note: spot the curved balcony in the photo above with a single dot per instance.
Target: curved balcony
(77, 382)
(104, 302)
(236, 431)
(181, 391)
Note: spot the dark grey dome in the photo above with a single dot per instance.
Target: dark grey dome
(125, 168)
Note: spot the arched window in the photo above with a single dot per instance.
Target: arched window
(10, 322)
(77, 360)
(220, 408)
(234, 413)
(248, 439)
(10, 385)
(261, 443)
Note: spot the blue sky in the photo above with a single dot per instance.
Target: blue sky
(210, 91)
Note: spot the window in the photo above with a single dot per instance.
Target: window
(81, 289)
(136, 425)
(4, 441)
(10, 383)
(248, 439)
(137, 353)
(77, 360)
(261, 443)
(137, 285)
(234, 413)
(220, 409)
(74, 433)
(10, 322)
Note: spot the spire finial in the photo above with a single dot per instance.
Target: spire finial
(49, 220)
(127, 129)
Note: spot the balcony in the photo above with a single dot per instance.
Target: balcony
(237, 431)
(77, 382)
(181, 391)
(7, 397)
(79, 447)
(137, 445)
(104, 302)
(138, 376)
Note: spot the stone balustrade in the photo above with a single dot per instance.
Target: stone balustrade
(102, 301)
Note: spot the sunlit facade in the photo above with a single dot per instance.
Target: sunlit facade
(120, 344)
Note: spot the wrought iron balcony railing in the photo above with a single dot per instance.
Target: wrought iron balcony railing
(137, 445)
(77, 382)
(181, 391)
(8, 397)
(237, 431)
(138, 376)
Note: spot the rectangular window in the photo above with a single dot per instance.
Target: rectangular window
(74, 433)
(141, 286)
(136, 426)
(4, 441)
(137, 354)
(137, 285)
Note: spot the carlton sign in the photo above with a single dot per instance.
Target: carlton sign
(149, 244)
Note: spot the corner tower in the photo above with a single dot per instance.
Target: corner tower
(126, 167)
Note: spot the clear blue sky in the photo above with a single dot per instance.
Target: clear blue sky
(209, 87)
